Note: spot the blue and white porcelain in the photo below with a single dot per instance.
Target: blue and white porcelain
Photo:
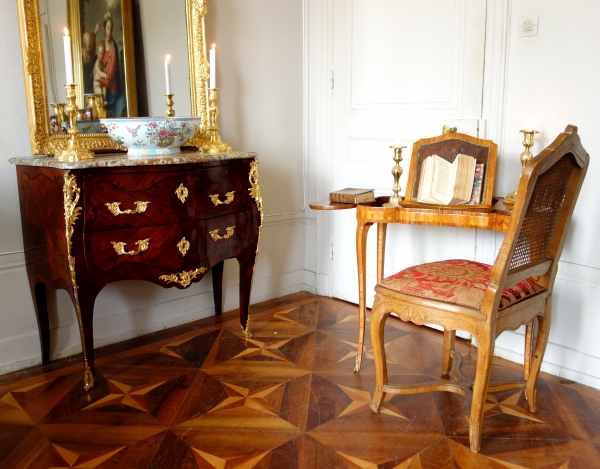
(148, 136)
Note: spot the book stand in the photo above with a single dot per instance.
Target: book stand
(448, 146)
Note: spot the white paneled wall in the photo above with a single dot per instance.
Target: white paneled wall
(261, 110)
(554, 78)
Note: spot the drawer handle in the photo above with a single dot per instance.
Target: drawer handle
(214, 234)
(142, 245)
(184, 278)
(140, 207)
(216, 201)
(182, 193)
(184, 246)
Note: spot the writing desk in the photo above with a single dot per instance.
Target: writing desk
(374, 212)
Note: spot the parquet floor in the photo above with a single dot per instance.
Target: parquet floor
(201, 396)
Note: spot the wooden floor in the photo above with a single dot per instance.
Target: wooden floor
(202, 396)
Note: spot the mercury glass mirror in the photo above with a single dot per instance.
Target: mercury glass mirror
(118, 51)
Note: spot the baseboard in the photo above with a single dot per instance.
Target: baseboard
(582, 368)
(148, 319)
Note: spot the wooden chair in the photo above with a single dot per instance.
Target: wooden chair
(487, 300)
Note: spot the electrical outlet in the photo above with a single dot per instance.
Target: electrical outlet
(528, 26)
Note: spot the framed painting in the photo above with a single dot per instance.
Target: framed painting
(103, 57)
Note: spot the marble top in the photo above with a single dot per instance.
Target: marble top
(113, 160)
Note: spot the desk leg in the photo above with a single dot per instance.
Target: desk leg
(381, 232)
(361, 259)
(217, 279)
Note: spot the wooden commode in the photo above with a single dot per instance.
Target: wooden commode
(164, 220)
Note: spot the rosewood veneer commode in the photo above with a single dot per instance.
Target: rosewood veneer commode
(164, 220)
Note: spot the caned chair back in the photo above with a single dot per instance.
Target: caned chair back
(546, 197)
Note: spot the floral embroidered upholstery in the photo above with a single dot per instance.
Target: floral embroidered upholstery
(456, 281)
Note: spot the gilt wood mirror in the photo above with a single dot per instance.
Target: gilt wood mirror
(42, 63)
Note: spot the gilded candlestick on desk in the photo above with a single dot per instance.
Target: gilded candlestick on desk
(215, 145)
(509, 200)
(397, 172)
(170, 110)
(73, 152)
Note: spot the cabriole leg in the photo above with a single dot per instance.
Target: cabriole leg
(538, 356)
(247, 261)
(217, 280)
(378, 317)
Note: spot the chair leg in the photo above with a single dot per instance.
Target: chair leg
(449, 342)
(485, 354)
(378, 317)
(538, 356)
(528, 348)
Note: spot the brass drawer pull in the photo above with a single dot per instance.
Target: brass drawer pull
(216, 201)
(182, 193)
(140, 207)
(214, 234)
(184, 246)
(184, 278)
(141, 244)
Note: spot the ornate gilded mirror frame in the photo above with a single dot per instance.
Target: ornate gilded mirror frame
(36, 92)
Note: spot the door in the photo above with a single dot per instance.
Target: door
(401, 70)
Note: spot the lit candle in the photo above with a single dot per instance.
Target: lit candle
(168, 73)
(212, 65)
(529, 127)
(68, 57)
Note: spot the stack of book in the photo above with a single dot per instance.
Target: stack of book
(350, 195)
(446, 183)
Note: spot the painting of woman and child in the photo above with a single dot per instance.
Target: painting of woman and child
(106, 56)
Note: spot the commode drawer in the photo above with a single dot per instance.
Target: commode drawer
(136, 200)
(223, 189)
(144, 253)
(227, 235)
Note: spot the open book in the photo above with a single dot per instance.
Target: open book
(447, 183)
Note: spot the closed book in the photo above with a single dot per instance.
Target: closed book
(477, 185)
(350, 195)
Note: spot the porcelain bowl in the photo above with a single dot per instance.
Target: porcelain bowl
(151, 136)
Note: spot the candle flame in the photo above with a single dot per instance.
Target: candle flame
(168, 57)
(66, 32)
(214, 46)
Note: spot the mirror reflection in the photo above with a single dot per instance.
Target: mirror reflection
(118, 49)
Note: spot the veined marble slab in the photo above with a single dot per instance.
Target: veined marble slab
(112, 160)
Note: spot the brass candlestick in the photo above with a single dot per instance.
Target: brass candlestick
(170, 110)
(215, 145)
(509, 200)
(396, 172)
(73, 152)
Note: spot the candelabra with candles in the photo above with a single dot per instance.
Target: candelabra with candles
(528, 135)
(73, 152)
(396, 172)
(215, 145)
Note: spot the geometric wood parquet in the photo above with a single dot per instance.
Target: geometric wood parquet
(287, 398)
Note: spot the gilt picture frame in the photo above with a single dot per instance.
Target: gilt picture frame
(103, 53)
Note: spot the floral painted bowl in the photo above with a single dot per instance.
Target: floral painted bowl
(151, 136)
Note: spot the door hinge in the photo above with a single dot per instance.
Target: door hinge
(332, 80)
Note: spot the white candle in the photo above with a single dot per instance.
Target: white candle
(212, 65)
(68, 57)
(529, 127)
(168, 73)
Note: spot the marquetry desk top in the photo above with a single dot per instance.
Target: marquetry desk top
(368, 213)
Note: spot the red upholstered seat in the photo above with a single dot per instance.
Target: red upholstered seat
(456, 281)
